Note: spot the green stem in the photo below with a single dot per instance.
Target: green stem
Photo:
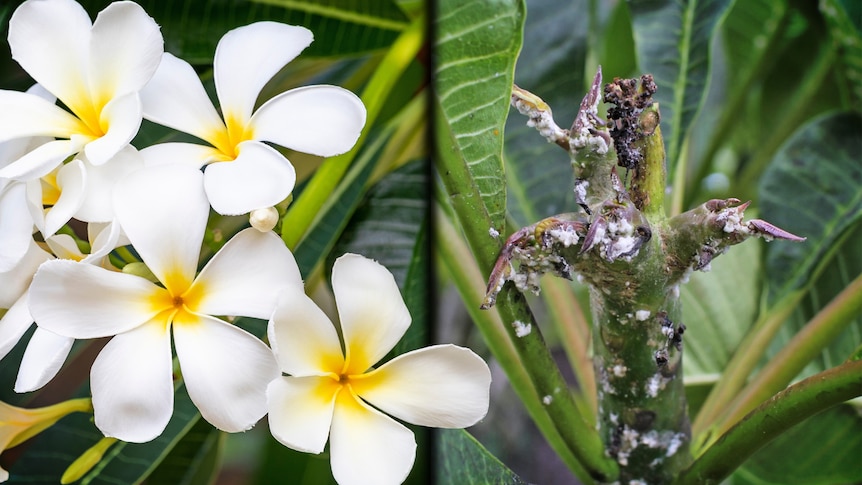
(775, 416)
(571, 323)
(580, 436)
(469, 281)
(802, 348)
(648, 180)
(302, 213)
(475, 221)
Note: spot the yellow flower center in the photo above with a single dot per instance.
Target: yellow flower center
(179, 299)
(227, 141)
(50, 189)
(89, 110)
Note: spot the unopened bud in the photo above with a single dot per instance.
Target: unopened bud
(263, 219)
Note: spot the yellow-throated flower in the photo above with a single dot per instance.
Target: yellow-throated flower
(335, 394)
(163, 212)
(242, 172)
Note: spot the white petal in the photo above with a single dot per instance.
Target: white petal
(64, 247)
(126, 47)
(259, 177)
(98, 201)
(300, 411)
(302, 337)
(132, 385)
(246, 276)
(14, 325)
(122, 116)
(84, 301)
(42, 359)
(103, 240)
(368, 447)
(17, 279)
(175, 98)
(246, 58)
(182, 153)
(26, 115)
(51, 39)
(16, 225)
(12, 150)
(71, 180)
(40, 161)
(372, 313)
(444, 386)
(226, 371)
(164, 212)
(321, 120)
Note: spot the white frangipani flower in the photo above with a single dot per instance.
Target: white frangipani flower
(16, 215)
(163, 212)
(329, 393)
(321, 120)
(47, 351)
(95, 68)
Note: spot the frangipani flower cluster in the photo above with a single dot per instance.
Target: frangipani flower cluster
(68, 166)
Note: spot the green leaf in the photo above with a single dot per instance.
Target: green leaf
(752, 37)
(463, 460)
(550, 65)
(279, 464)
(673, 39)
(618, 58)
(822, 450)
(476, 45)
(192, 28)
(813, 188)
(718, 308)
(55, 449)
(337, 210)
(194, 460)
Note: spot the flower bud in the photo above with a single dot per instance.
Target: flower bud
(263, 219)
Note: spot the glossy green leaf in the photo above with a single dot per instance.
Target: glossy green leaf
(476, 45)
(463, 460)
(813, 188)
(192, 28)
(551, 66)
(672, 39)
